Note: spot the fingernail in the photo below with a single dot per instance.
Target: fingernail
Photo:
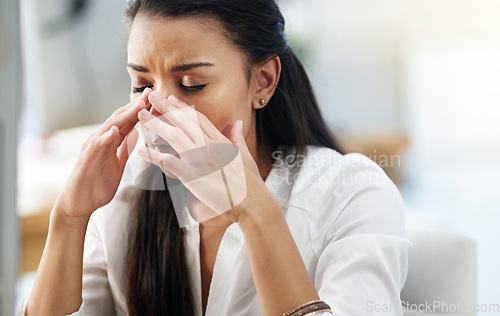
(172, 99)
(155, 96)
(240, 125)
(143, 113)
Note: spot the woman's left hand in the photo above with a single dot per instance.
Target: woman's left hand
(218, 171)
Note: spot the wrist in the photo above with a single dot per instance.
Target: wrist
(59, 219)
(260, 215)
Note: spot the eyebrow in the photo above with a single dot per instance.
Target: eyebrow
(176, 68)
(186, 67)
(137, 67)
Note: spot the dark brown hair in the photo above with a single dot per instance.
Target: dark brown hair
(157, 277)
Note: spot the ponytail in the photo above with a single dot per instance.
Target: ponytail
(292, 116)
(157, 278)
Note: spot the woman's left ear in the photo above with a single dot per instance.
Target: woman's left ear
(268, 76)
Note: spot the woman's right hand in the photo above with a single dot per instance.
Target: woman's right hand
(95, 178)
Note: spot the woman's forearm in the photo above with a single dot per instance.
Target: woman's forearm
(92, 184)
(280, 276)
(58, 285)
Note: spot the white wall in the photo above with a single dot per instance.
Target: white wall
(76, 75)
(9, 90)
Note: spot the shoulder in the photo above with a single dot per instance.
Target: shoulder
(108, 230)
(343, 194)
(324, 166)
(324, 172)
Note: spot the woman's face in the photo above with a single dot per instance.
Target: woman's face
(191, 59)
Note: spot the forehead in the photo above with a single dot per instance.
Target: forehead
(162, 42)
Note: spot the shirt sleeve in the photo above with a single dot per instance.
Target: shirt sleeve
(21, 310)
(96, 294)
(364, 261)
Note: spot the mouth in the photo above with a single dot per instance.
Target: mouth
(154, 141)
(166, 149)
(162, 146)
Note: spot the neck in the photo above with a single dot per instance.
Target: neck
(263, 159)
(262, 155)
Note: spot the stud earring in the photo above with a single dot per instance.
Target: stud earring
(262, 102)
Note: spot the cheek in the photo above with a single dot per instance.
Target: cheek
(227, 106)
(221, 114)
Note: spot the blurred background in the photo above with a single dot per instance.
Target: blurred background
(414, 85)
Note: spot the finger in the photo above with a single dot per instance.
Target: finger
(127, 146)
(177, 113)
(112, 141)
(161, 104)
(236, 135)
(209, 128)
(171, 134)
(238, 139)
(125, 117)
(107, 142)
(119, 111)
(144, 96)
(170, 164)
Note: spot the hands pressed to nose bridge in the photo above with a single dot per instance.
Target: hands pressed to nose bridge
(210, 167)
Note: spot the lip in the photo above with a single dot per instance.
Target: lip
(163, 146)
(166, 149)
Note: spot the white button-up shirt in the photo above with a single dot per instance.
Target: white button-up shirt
(345, 215)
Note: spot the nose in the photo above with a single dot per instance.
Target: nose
(164, 92)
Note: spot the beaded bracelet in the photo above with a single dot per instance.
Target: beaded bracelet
(320, 311)
(309, 308)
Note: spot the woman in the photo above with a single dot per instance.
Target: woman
(314, 232)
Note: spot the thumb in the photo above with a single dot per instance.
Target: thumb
(127, 146)
(236, 135)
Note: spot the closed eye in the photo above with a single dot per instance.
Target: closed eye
(139, 89)
(184, 87)
(193, 88)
